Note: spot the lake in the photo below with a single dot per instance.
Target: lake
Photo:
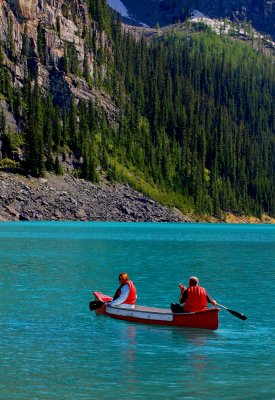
(53, 347)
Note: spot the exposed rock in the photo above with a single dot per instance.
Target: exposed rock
(10, 121)
(12, 212)
(25, 8)
(66, 198)
(81, 214)
(26, 16)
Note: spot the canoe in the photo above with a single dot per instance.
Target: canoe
(206, 319)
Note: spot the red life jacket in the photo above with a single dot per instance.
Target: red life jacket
(132, 296)
(196, 299)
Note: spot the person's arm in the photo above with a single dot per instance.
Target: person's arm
(183, 293)
(125, 290)
(210, 300)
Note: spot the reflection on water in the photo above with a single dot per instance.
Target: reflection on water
(129, 356)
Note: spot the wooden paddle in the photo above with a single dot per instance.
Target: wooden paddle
(235, 313)
(94, 305)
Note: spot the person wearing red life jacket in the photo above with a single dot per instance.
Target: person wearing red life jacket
(194, 298)
(126, 294)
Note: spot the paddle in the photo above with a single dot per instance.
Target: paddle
(94, 305)
(235, 313)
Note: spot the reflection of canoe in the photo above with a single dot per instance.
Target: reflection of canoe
(206, 319)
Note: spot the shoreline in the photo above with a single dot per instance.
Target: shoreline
(65, 198)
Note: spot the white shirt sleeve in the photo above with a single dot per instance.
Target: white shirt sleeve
(125, 290)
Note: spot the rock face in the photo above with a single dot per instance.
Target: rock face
(61, 28)
(67, 198)
(26, 8)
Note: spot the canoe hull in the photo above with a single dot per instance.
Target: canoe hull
(206, 319)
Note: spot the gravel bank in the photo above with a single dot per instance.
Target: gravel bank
(66, 198)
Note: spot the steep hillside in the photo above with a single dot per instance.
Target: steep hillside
(185, 116)
(67, 198)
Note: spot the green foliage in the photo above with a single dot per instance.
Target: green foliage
(34, 132)
(41, 43)
(10, 40)
(72, 63)
(11, 142)
(58, 26)
(196, 129)
(57, 166)
(100, 13)
(7, 164)
(25, 42)
(2, 122)
(202, 98)
(1, 54)
(146, 186)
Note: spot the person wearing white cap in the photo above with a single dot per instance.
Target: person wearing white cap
(194, 298)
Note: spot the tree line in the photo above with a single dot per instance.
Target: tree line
(197, 117)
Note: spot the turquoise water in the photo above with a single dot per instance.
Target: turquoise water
(53, 347)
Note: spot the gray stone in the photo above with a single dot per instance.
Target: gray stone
(96, 202)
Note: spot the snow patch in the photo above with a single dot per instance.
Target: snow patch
(118, 6)
(225, 26)
(196, 14)
(144, 25)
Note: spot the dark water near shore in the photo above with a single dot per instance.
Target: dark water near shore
(53, 347)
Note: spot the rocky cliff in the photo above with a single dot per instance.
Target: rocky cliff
(24, 8)
(60, 27)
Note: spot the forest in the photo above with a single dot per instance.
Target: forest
(196, 128)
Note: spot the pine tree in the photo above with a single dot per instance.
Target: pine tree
(25, 42)
(34, 132)
(41, 43)
(10, 39)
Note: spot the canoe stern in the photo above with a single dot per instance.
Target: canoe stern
(207, 319)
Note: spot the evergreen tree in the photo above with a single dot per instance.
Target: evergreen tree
(34, 132)
(41, 43)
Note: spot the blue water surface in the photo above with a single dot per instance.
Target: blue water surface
(53, 347)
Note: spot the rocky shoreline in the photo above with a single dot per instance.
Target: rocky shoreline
(65, 198)
(62, 198)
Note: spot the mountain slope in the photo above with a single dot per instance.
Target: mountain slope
(261, 13)
(186, 117)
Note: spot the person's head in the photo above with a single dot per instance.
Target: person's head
(123, 277)
(193, 281)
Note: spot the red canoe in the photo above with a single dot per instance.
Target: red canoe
(206, 319)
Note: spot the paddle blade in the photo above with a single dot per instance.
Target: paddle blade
(94, 305)
(235, 313)
(238, 315)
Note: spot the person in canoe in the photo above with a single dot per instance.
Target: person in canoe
(126, 294)
(194, 298)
